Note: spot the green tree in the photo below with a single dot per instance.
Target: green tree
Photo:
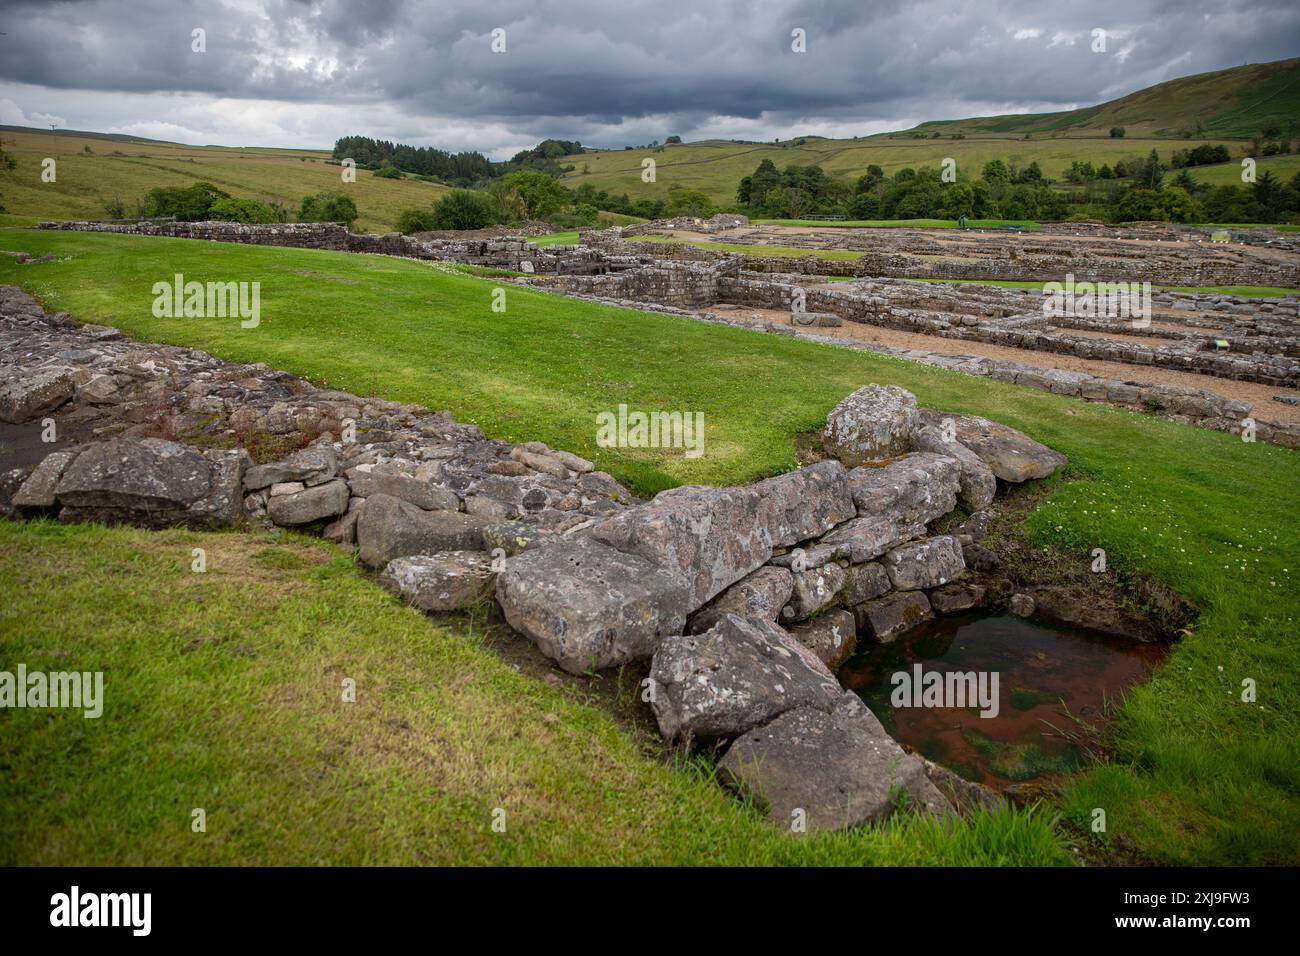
(1269, 195)
(995, 171)
(689, 202)
(541, 194)
(415, 220)
(1117, 132)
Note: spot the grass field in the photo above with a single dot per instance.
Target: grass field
(1198, 776)
(128, 170)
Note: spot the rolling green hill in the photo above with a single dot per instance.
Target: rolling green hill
(1229, 106)
(93, 167)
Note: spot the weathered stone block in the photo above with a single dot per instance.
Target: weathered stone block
(587, 605)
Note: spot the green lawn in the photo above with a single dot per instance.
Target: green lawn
(1200, 777)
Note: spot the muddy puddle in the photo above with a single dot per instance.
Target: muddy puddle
(1048, 680)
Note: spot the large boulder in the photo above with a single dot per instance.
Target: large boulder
(145, 474)
(808, 502)
(760, 595)
(977, 484)
(711, 537)
(30, 393)
(875, 422)
(924, 564)
(1012, 455)
(152, 483)
(311, 504)
(589, 606)
(735, 676)
(915, 489)
(829, 770)
(391, 528)
(448, 581)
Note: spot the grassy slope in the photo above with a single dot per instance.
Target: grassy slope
(1232, 103)
(1203, 777)
(84, 180)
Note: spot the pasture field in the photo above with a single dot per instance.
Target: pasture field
(127, 170)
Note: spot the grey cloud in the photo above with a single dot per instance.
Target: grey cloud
(645, 68)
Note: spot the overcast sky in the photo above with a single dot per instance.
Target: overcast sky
(606, 72)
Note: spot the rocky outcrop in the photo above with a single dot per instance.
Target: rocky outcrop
(593, 577)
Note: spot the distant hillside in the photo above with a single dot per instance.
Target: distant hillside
(1229, 106)
(94, 167)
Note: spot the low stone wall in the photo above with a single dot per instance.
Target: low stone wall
(515, 254)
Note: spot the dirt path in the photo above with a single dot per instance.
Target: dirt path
(1261, 396)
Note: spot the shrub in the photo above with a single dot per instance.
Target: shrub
(186, 203)
(415, 220)
(328, 207)
(242, 210)
(388, 172)
(463, 209)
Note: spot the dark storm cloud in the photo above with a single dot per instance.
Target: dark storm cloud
(607, 68)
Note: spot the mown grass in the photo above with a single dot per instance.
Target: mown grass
(224, 691)
(1202, 511)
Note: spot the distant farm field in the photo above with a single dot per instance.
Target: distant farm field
(717, 166)
(127, 170)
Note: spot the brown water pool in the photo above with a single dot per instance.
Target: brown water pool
(1045, 676)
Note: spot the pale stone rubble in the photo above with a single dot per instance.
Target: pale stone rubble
(744, 600)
